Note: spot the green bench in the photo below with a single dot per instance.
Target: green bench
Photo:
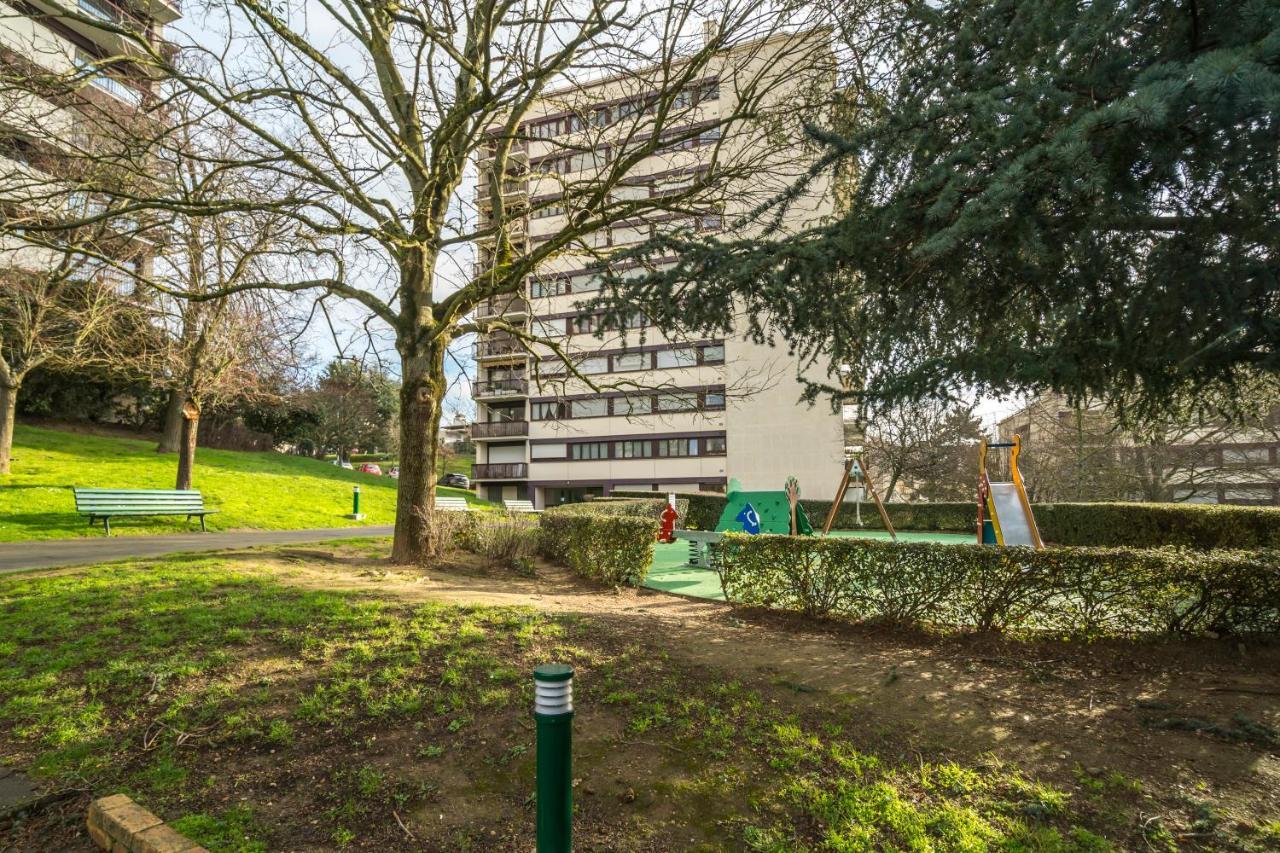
(106, 504)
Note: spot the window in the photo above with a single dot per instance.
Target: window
(709, 92)
(682, 357)
(713, 354)
(573, 123)
(713, 400)
(624, 406)
(548, 451)
(678, 447)
(635, 449)
(584, 282)
(550, 328)
(713, 446)
(548, 287)
(589, 450)
(545, 211)
(630, 193)
(100, 10)
(600, 118)
(552, 410)
(584, 324)
(106, 82)
(631, 361)
(595, 364)
(677, 402)
(1245, 455)
(628, 234)
(635, 320)
(589, 408)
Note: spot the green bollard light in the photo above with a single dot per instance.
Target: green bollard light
(355, 504)
(553, 714)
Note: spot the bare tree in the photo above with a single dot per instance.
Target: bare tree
(379, 126)
(232, 346)
(1083, 451)
(925, 451)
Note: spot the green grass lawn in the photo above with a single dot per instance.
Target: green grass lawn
(258, 715)
(266, 491)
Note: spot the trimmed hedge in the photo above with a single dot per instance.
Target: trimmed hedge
(1152, 525)
(606, 546)
(633, 507)
(1077, 591)
(1117, 525)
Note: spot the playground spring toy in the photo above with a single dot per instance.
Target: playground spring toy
(1004, 512)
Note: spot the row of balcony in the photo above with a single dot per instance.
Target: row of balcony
(495, 389)
(507, 305)
(499, 429)
(500, 471)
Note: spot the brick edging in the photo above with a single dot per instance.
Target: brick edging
(119, 825)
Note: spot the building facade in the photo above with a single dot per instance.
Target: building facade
(1080, 453)
(43, 139)
(669, 410)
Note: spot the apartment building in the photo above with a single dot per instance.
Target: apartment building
(1081, 453)
(37, 133)
(661, 409)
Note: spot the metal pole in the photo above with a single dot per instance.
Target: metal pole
(553, 715)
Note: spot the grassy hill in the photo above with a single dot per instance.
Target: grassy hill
(264, 491)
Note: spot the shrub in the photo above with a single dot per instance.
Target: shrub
(1117, 525)
(633, 507)
(1080, 591)
(451, 530)
(616, 549)
(506, 542)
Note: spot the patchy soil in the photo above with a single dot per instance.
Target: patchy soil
(1156, 745)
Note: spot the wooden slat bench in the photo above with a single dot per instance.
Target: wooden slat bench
(106, 504)
(520, 506)
(452, 504)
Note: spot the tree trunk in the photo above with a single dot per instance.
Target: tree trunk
(187, 448)
(171, 429)
(421, 392)
(8, 412)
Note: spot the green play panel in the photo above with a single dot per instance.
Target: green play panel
(671, 571)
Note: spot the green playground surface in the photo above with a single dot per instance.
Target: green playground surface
(671, 571)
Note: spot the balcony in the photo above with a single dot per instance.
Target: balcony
(508, 305)
(499, 429)
(497, 389)
(499, 347)
(500, 471)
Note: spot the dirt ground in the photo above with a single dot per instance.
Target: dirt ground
(1059, 705)
(1155, 712)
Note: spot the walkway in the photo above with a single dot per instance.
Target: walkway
(52, 553)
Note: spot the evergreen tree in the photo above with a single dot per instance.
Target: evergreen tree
(1082, 197)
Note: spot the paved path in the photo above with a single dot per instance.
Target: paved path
(19, 556)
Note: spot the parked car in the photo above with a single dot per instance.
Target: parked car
(342, 464)
(457, 481)
(371, 468)
(394, 472)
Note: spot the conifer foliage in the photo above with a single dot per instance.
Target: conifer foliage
(1049, 194)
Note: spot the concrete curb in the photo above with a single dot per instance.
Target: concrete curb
(119, 825)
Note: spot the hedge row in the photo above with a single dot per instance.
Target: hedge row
(1076, 591)
(609, 546)
(1118, 525)
(649, 507)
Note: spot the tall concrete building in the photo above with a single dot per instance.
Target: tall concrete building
(669, 411)
(38, 134)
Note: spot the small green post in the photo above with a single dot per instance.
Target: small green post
(553, 715)
(355, 504)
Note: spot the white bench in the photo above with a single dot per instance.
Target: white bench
(520, 506)
(452, 504)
